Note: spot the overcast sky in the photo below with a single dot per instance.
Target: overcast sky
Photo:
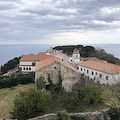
(59, 21)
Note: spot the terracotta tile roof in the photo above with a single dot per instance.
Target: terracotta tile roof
(51, 60)
(44, 63)
(6, 74)
(76, 49)
(57, 52)
(101, 66)
(42, 53)
(34, 57)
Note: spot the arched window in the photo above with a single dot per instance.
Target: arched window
(23, 68)
(29, 68)
(77, 68)
(26, 68)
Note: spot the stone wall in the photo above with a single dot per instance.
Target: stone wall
(55, 70)
(101, 115)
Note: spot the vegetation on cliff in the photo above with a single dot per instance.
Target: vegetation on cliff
(89, 51)
(11, 64)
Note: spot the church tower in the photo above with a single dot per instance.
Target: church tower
(76, 55)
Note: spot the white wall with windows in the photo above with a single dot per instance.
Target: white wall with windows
(99, 76)
(27, 66)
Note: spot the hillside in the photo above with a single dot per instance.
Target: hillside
(89, 51)
(7, 96)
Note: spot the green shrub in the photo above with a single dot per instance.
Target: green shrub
(63, 115)
(92, 94)
(114, 114)
(29, 104)
(19, 79)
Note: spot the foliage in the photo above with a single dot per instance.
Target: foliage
(15, 80)
(114, 114)
(40, 83)
(29, 104)
(92, 94)
(114, 102)
(55, 87)
(63, 115)
(89, 51)
(10, 65)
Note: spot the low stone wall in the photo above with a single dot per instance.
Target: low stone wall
(98, 115)
(45, 117)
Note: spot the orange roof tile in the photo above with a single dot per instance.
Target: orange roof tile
(58, 52)
(38, 57)
(51, 60)
(101, 66)
(6, 74)
(76, 49)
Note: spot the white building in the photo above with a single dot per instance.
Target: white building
(100, 72)
(28, 62)
(75, 58)
(61, 56)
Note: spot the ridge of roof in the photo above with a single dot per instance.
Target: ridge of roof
(76, 49)
(101, 66)
(59, 52)
(37, 57)
(51, 60)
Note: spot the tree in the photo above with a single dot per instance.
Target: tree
(93, 94)
(29, 104)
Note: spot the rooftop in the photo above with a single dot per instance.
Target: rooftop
(101, 66)
(38, 57)
(51, 60)
(58, 52)
(76, 49)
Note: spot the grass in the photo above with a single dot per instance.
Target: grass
(7, 97)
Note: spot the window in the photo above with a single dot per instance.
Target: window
(62, 59)
(100, 75)
(106, 77)
(33, 63)
(87, 71)
(71, 60)
(29, 68)
(54, 67)
(92, 73)
(84, 69)
(96, 73)
(81, 69)
(26, 68)
(77, 68)
(76, 55)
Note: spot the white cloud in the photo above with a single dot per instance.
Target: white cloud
(66, 21)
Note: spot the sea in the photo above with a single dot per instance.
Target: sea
(8, 52)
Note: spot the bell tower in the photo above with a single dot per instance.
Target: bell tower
(76, 55)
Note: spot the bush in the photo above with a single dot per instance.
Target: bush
(114, 114)
(29, 104)
(92, 94)
(63, 115)
(19, 79)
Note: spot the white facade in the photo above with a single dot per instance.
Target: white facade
(75, 57)
(62, 57)
(98, 76)
(27, 66)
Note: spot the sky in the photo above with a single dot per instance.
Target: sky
(59, 21)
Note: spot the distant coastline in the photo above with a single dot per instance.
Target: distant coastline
(8, 52)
